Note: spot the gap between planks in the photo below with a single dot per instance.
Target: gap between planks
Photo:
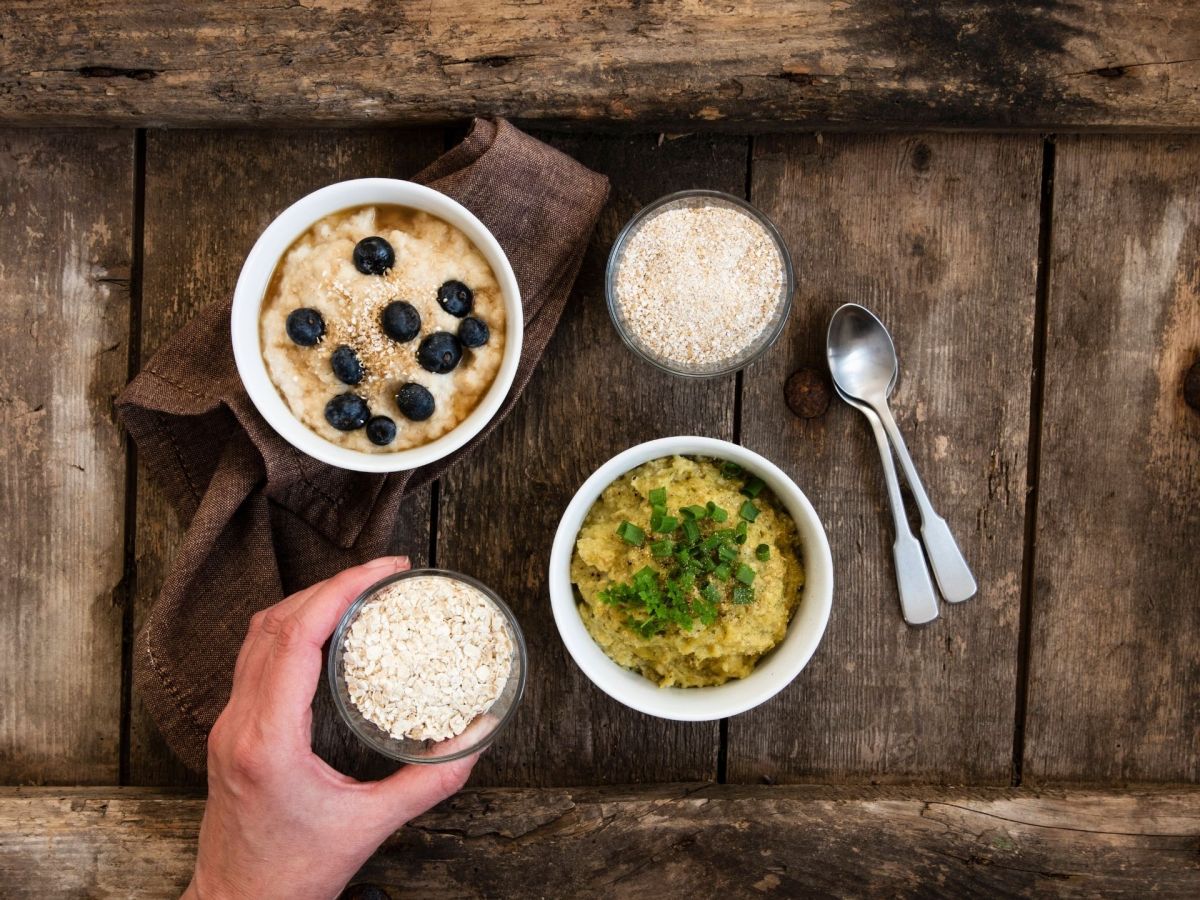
(129, 579)
(1037, 398)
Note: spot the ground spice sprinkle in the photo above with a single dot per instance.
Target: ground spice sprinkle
(698, 284)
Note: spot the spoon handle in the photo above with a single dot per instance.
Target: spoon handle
(953, 575)
(918, 602)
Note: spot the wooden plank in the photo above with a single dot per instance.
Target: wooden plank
(66, 230)
(677, 840)
(1114, 671)
(938, 234)
(798, 63)
(208, 197)
(589, 399)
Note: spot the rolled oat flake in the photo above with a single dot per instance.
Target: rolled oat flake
(425, 657)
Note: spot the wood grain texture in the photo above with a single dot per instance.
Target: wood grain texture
(938, 235)
(208, 197)
(676, 840)
(801, 63)
(66, 235)
(1114, 672)
(589, 399)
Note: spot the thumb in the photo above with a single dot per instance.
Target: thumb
(416, 788)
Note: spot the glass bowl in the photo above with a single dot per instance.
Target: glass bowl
(478, 734)
(765, 338)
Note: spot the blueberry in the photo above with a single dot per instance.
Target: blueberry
(373, 256)
(305, 326)
(381, 430)
(401, 321)
(473, 332)
(456, 298)
(346, 366)
(415, 402)
(347, 411)
(439, 353)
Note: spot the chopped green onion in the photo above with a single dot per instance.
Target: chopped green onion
(716, 513)
(712, 542)
(691, 531)
(662, 548)
(730, 469)
(753, 487)
(726, 553)
(763, 552)
(745, 574)
(631, 534)
(740, 534)
(743, 595)
(722, 572)
(696, 512)
(749, 511)
(711, 593)
(658, 496)
(663, 524)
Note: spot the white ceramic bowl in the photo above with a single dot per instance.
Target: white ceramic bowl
(774, 671)
(252, 287)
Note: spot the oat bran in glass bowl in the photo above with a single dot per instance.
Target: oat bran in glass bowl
(699, 283)
(427, 666)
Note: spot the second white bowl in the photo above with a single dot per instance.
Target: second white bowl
(774, 671)
(256, 276)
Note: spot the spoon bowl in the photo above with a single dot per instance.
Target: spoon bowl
(862, 357)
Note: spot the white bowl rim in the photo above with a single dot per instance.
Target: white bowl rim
(255, 277)
(774, 672)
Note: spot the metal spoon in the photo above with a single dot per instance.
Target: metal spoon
(862, 360)
(918, 602)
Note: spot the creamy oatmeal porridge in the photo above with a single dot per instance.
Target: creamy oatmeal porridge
(383, 327)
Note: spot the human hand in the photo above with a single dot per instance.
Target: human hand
(279, 821)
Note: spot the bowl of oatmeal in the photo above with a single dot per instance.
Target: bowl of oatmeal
(690, 579)
(377, 325)
(699, 283)
(427, 666)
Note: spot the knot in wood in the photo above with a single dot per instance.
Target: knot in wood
(1191, 386)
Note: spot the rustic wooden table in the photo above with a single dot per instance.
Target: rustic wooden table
(1044, 291)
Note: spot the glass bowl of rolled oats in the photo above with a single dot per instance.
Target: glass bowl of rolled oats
(699, 283)
(427, 666)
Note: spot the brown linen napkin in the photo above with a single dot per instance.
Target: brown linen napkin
(264, 520)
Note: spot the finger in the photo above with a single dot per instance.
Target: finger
(264, 625)
(299, 629)
(413, 790)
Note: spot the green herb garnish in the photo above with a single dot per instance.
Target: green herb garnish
(743, 595)
(753, 487)
(631, 534)
(698, 565)
(664, 524)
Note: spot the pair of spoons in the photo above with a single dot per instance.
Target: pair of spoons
(863, 363)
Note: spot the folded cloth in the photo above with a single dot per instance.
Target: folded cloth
(264, 520)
